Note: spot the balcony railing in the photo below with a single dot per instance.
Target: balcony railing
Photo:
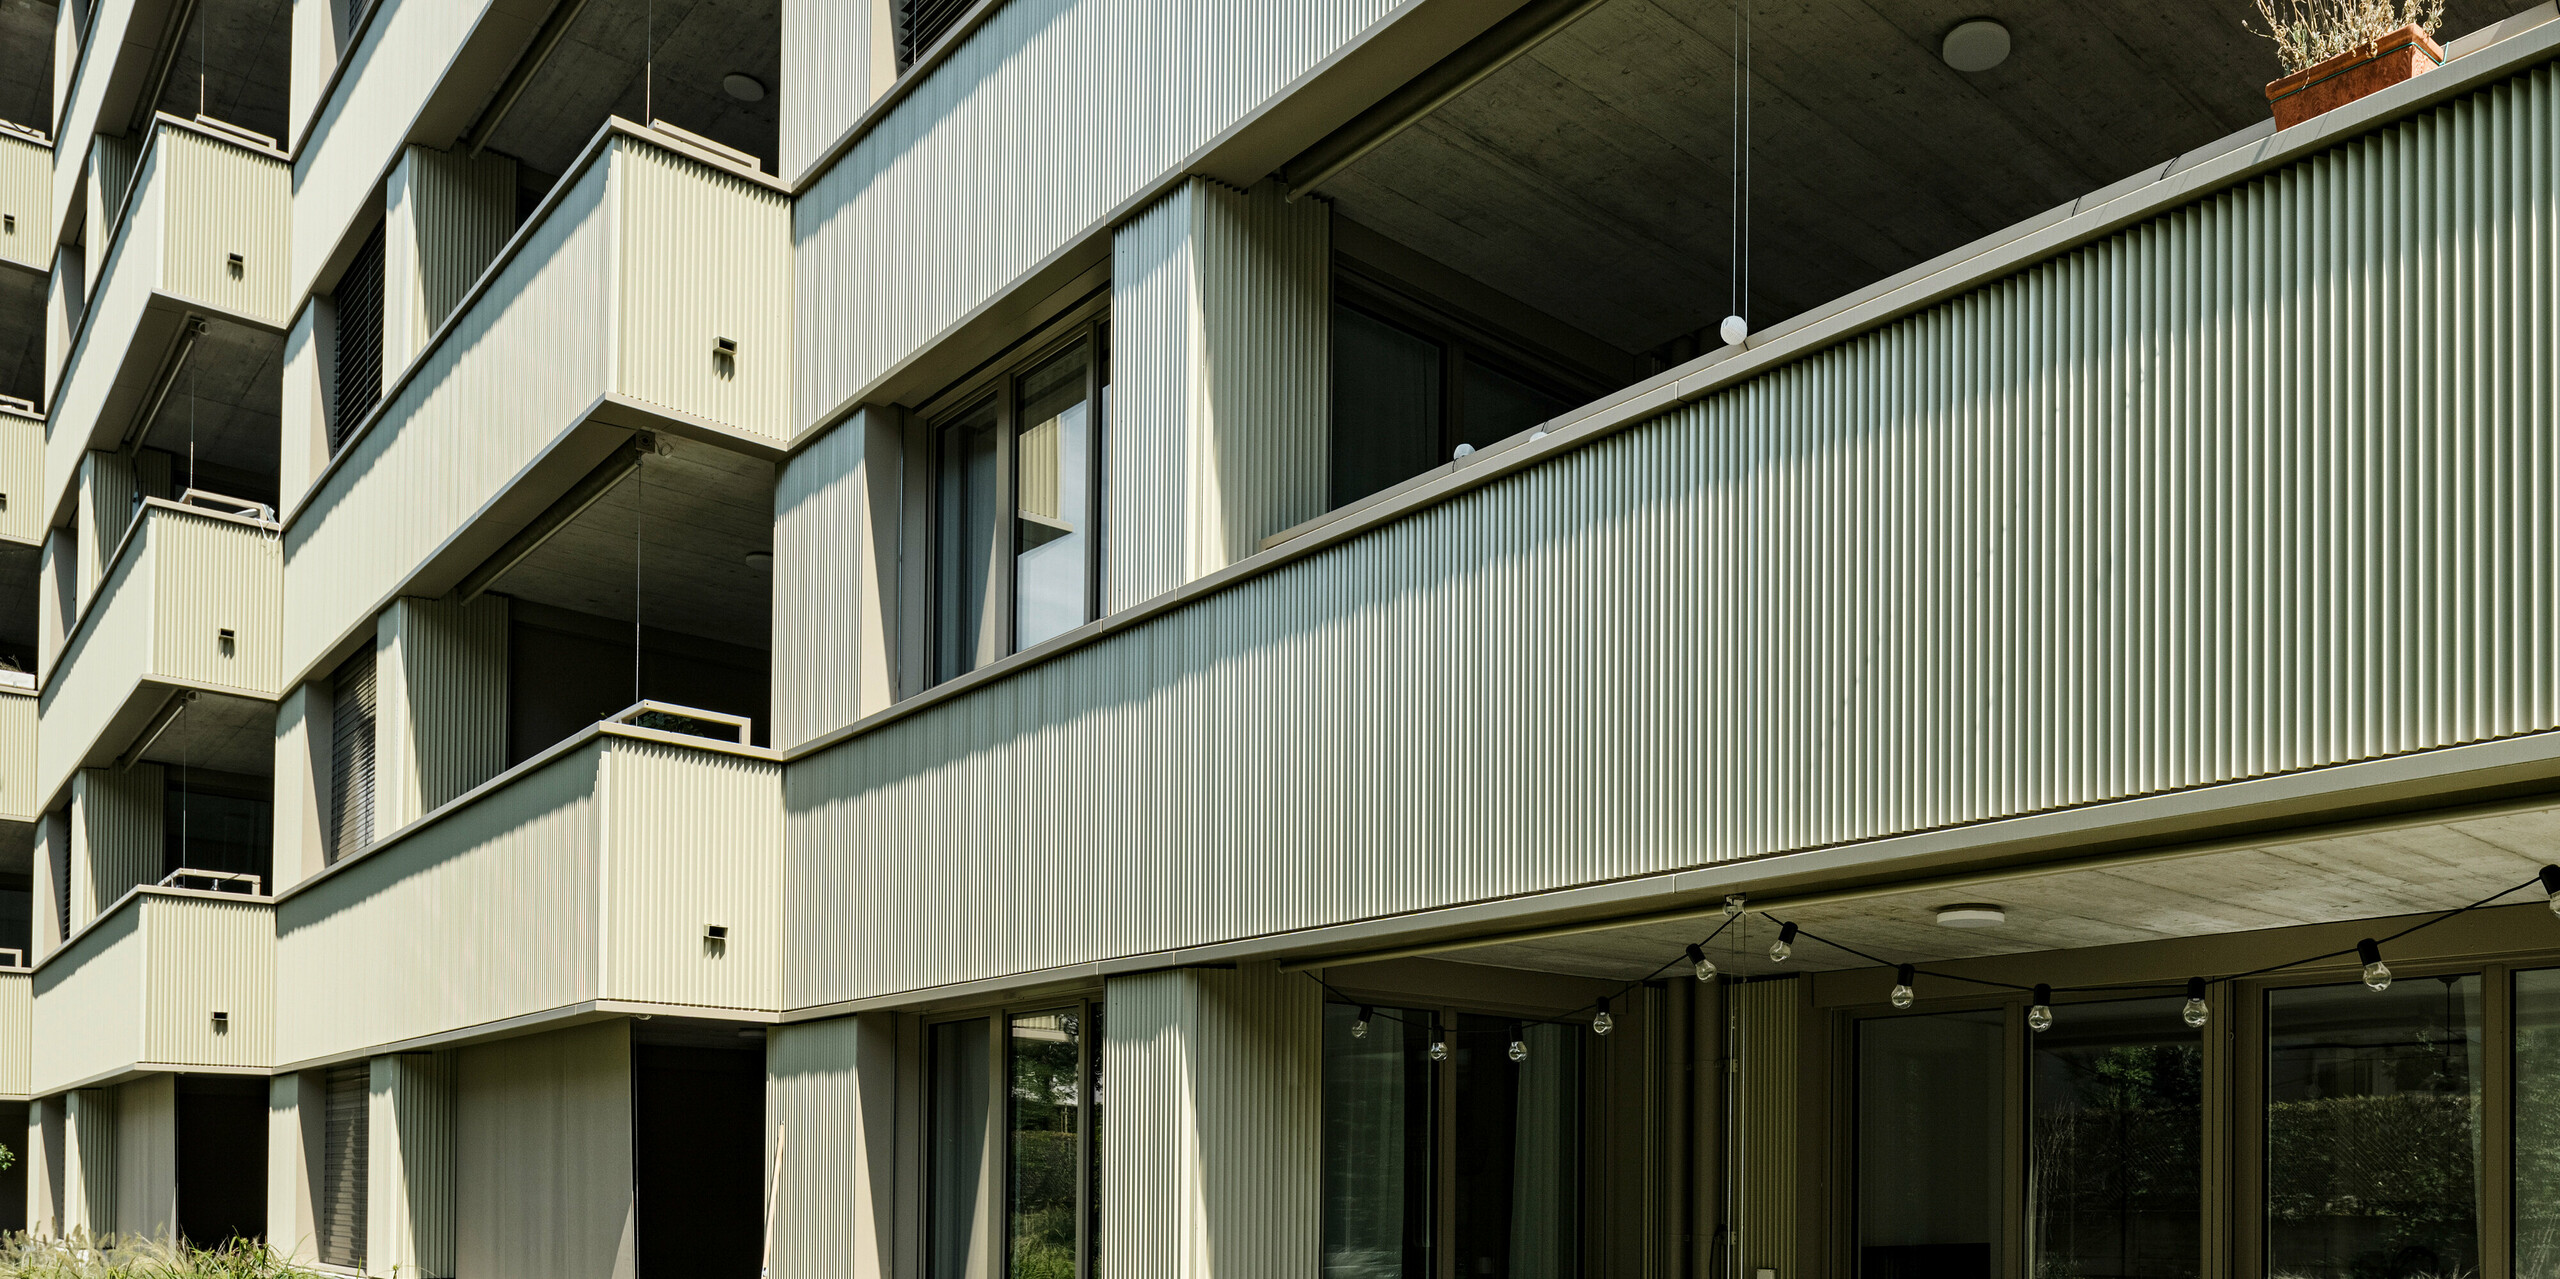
(168, 979)
(189, 603)
(627, 868)
(201, 235)
(653, 284)
(21, 791)
(21, 477)
(17, 1027)
(26, 200)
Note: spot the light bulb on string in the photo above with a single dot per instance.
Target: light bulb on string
(1704, 967)
(1439, 1042)
(2197, 1012)
(1732, 905)
(1360, 1024)
(2040, 1011)
(2377, 974)
(1903, 995)
(1604, 1023)
(1519, 1045)
(2551, 885)
(1783, 949)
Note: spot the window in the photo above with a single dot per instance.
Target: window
(1931, 1145)
(2537, 1124)
(1050, 1141)
(2115, 1143)
(345, 1092)
(218, 822)
(1017, 507)
(2372, 1130)
(922, 23)
(957, 1164)
(351, 755)
(1409, 387)
(358, 309)
(1506, 1166)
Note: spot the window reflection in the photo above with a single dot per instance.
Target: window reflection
(1519, 1142)
(1377, 1145)
(1053, 518)
(1930, 1137)
(2373, 1133)
(2115, 1143)
(958, 1158)
(2537, 1131)
(968, 508)
(1046, 1113)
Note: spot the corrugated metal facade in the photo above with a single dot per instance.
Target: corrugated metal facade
(441, 719)
(26, 195)
(17, 1026)
(2191, 503)
(88, 1006)
(522, 363)
(89, 1163)
(833, 1088)
(146, 1160)
(80, 87)
(22, 491)
(1220, 364)
(303, 411)
(1209, 1154)
(836, 508)
(1768, 1017)
(704, 255)
(111, 165)
(543, 1156)
(409, 1221)
(21, 794)
(116, 302)
(208, 955)
(224, 199)
(836, 60)
(446, 215)
(1082, 101)
(404, 54)
(116, 837)
(691, 839)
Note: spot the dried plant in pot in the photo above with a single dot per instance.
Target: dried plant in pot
(2336, 51)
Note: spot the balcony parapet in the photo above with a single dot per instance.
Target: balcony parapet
(649, 291)
(168, 979)
(201, 237)
(26, 200)
(21, 477)
(625, 870)
(17, 1027)
(21, 789)
(188, 603)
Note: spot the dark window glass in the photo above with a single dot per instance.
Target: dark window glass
(1494, 405)
(1517, 1165)
(1045, 1116)
(344, 1127)
(2373, 1134)
(922, 23)
(959, 1134)
(358, 309)
(2115, 1155)
(351, 755)
(971, 510)
(1053, 504)
(208, 825)
(1377, 1145)
(1386, 405)
(2537, 1201)
(1930, 1145)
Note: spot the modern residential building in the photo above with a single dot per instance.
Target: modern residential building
(1038, 639)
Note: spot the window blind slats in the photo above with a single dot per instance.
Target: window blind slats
(344, 1133)
(359, 315)
(351, 756)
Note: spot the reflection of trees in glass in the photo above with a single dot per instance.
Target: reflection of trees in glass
(2117, 1160)
(1046, 1107)
(2538, 1124)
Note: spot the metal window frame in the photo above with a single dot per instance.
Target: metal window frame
(995, 1170)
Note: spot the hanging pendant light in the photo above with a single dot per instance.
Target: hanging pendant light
(1704, 967)
(2377, 974)
(1783, 949)
(1604, 1023)
(2196, 1013)
(1903, 995)
(2040, 1012)
(1360, 1025)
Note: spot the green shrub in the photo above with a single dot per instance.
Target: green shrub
(137, 1257)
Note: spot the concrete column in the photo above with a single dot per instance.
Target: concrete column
(441, 704)
(1221, 360)
(836, 506)
(88, 1203)
(301, 810)
(51, 880)
(302, 446)
(57, 595)
(46, 1150)
(445, 216)
(146, 1159)
(409, 1222)
(293, 1168)
(832, 1105)
(1209, 1150)
(116, 842)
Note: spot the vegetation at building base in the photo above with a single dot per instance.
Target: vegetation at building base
(81, 1256)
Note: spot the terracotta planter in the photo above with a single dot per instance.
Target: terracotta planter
(2364, 69)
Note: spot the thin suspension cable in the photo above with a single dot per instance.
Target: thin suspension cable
(639, 511)
(1733, 203)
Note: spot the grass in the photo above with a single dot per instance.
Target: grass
(137, 1257)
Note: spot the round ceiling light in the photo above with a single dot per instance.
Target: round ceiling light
(747, 88)
(1972, 915)
(1977, 44)
(760, 559)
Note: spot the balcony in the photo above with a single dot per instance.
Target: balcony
(169, 979)
(26, 261)
(17, 1017)
(186, 614)
(21, 795)
(650, 291)
(192, 287)
(588, 880)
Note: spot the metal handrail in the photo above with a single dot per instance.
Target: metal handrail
(257, 886)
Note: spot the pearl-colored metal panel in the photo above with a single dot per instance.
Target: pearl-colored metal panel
(26, 201)
(208, 954)
(21, 795)
(119, 293)
(17, 1026)
(22, 491)
(705, 258)
(228, 202)
(81, 70)
(88, 1010)
(692, 841)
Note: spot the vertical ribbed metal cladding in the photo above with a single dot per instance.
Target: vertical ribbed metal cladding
(704, 256)
(441, 726)
(1211, 1129)
(117, 839)
(17, 1026)
(1083, 102)
(212, 576)
(542, 1154)
(23, 495)
(20, 800)
(26, 197)
(88, 1007)
(89, 1174)
(290, 1170)
(89, 682)
(409, 1189)
(486, 914)
(76, 105)
(2188, 504)
(833, 58)
(111, 173)
(229, 200)
(518, 368)
(147, 1156)
(836, 507)
(107, 506)
(1767, 1142)
(119, 293)
(833, 1087)
(207, 956)
(1219, 363)
(456, 212)
(360, 130)
(691, 839)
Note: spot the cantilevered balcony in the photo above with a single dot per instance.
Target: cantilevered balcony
(17, 1028)
(26, 259)
(183, 625)
(168, 979)
(21, 793)
(650, 291)
(189, 304)
(628, 869)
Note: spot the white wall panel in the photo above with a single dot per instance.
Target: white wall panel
(1047, 117)
(147, 1156)
(409, 1136)
(837, 58)
(17, 1027)
(26, 194)
(705, 255)
(207, 955)
(22, 491)
(80, 81)
(21, 794)
(832, 1101)
(88, 1006)
(226, 199)
(441, 718)
(543, 1156)
(691, 839)
(836, 508)
(2111, 526)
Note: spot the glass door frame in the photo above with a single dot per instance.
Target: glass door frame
(995, 1174)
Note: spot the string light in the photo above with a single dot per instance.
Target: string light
(1360, 1027)
(2040, 1012)
(1604, 1023)
(1704, 967)
(1733, 902)
(2196, 1013)
(1439, 1046)
(1783, 949)
(2551, 885)
(2377, 974)
(1519, 1046)
(1903, 995)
